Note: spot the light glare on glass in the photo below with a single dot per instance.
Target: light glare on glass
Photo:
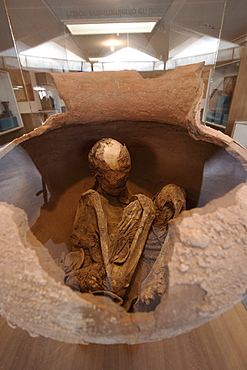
(107, 28)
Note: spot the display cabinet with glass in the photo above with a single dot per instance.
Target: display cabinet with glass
(10, 118)
(222, 82)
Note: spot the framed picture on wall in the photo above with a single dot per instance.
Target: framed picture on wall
(222, 82)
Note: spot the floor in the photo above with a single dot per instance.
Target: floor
(218, 345)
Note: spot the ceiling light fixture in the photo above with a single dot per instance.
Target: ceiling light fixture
(108, 28)
(93, 60)
(112, 42)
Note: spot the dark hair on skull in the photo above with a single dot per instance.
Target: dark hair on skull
(108, 154)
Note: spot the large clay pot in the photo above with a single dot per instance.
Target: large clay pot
(44, 172)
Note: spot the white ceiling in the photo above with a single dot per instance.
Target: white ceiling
(37, 21)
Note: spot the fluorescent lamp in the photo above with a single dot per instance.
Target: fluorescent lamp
(108, 28)
(95, 59)
(112, 43)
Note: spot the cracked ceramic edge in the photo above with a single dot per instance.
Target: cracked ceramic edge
(76, 323)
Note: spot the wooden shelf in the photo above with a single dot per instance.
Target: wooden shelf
(11, 130)
(215, 125)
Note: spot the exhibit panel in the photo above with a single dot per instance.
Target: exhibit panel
(123, 205)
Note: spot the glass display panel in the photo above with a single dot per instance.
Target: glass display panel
(220, 93)
(70, 169)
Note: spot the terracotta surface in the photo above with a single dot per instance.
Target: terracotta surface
(158, 121)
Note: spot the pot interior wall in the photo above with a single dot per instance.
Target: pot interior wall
(46, 175)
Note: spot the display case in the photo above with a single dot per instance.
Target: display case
(142, 87)
(220, 91)
(10, 118)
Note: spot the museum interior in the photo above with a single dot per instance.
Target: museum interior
(40, 37)
(192, 133)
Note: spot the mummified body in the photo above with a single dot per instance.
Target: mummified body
(114, 232)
